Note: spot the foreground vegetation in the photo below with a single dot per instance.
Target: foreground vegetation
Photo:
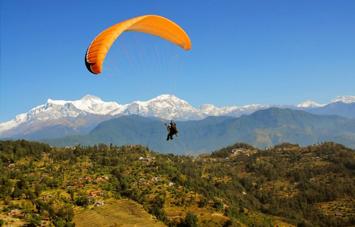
(236, 186)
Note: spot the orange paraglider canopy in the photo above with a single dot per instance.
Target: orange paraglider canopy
(151, 24)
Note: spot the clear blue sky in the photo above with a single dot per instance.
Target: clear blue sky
(275, 52)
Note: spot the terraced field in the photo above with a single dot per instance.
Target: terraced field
(115, 213)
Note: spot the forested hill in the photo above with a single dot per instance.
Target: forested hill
(236, 186)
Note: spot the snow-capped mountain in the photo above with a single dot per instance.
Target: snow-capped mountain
(164, 106)
(342, 105)
(211, 110)
(70, 117)
(344, 99)
(74, 117)
(89, 104)
(339, 99)
(77, 116)
(309, 104)
(57, 110)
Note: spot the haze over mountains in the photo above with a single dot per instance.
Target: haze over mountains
(86, 121)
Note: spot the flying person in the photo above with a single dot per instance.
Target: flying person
(172, 130)
(150, 24)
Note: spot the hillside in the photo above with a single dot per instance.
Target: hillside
(240, 185)
(262, 129)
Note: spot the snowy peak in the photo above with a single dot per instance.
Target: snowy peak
(344, 99)
(95, 105)
(88, 103)
(167, 100)
(309, 104)
(167, 97)
(208, 108)
(313, 104)
(91, 98)
(19, 119)
(165, 106)
(53, 110)
(234, 111)
(212, 110)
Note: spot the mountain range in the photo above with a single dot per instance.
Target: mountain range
(58, 118)
(262, 128)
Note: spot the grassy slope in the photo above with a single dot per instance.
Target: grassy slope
(123, 212)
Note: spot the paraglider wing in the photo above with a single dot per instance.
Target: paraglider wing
(150, 24)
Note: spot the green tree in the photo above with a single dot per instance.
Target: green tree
(190, 220)
(82, 200)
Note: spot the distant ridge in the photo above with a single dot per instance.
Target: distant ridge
(262, 129)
